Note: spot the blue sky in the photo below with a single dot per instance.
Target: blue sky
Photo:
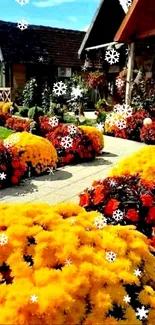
(70, 14)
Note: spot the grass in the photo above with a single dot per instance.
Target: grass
(4, 133)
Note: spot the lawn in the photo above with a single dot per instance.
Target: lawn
(4, 133)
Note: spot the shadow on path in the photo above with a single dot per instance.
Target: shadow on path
(108, 154)
(98, 162)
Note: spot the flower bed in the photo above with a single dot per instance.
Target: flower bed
(61, 267)
(142, 162)
(147, 133)
(35, 151)
(95, 136)
(72, 144)
(11, 168)
(17, 124)
(123, 200)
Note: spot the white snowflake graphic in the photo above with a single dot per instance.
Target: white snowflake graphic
(66, 142)
(3, 239)
(59, 88)
(127, 299)
(119, 83)
(118, 215)
(13, 140)
(76, 92)
(22, 24)
(53, 121)
(100, 222)
(137, 272)
(125, 4)
(112, 56)
(72, 221)
(72, 129)
(129, 3)
(22, 2)
(50, 171)
(34, 298)
(2, 176)
(121, 124)
(68, 262)
(41, 59)
(110, 256)
(84, 68)
(100, 127)
(124, 110)
(112, 182)
(142, 313)
(88, 229)
(110, 119)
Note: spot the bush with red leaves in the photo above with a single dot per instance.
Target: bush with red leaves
(17, 124)
(123, 200)
(147, 133)
(4, 118)
(72, 147)
(11, 169)
(135, 123)
(45, 126)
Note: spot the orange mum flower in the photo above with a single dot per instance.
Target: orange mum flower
(111, 207)
(98, 194)
(147, 200)
(84, 199)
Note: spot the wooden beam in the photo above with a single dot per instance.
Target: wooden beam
(130, 74)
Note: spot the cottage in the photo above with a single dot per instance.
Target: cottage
(38, 51)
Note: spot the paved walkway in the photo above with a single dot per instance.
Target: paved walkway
(67, 182)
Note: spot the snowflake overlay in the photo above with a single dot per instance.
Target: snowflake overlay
(121, 124)
(112, 56)
(66, 142)
(41, 59)
(34, 298)
(110, 256)
(124, 109)
(118, 215)
(129, 3)
(3, 239)
(137, 272)
(2, 176)
(72, 221)
(100, 222)
(53, 121)
(119, 83)
(68, 262)
(100, 127)
(50, 171)
(127, 299)
(112, 182)
(59, 88)
(22, 2)
(76, 92)
(72, 129)
(142, 313)
(22, 24)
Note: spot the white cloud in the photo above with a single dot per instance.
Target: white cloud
(86, 28)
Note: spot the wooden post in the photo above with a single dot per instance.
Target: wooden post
(130, 74)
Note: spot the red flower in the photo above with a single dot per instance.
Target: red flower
(111, 207)
(14, 180)
(95, 183)
(84, 199)
(147, 200)
(151, 215)
(15, 164)
(98, 194)
(132, 215)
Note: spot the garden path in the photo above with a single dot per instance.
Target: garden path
(67, 182)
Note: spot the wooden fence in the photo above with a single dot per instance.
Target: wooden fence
(5, 94)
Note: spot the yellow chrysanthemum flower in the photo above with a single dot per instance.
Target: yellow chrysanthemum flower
(95, 136)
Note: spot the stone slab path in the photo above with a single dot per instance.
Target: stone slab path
(68, 182)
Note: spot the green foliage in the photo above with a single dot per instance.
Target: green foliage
(101, 117)
(46, 100)
(101, 103)
(29, 93)
(4, 133)
(35, 112)
(23, 111)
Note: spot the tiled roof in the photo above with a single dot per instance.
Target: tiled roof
(56, 46)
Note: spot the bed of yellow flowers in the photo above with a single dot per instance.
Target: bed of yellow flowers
(95, 136)
(63, 265)
(33, 150)
(142, 162)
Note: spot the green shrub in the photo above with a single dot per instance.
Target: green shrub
(23, 111)
(35, 112)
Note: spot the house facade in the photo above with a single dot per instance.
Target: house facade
(42, 52)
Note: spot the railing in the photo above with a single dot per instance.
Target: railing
(5, 94)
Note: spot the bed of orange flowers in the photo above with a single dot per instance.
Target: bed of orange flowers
(33, 150)
(62, 265)
(142, 162)
(95, 136)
